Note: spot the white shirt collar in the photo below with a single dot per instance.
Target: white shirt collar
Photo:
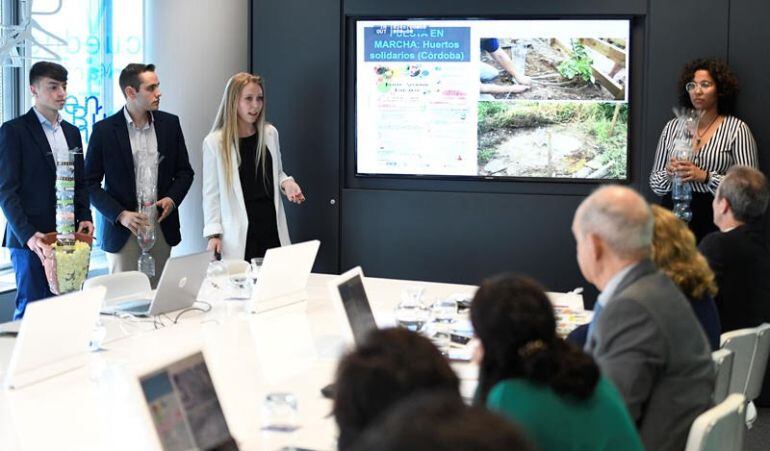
(130, 121)
(44, 120)
(612, 285)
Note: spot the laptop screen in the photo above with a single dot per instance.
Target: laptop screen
(357, 307)
(185, 408)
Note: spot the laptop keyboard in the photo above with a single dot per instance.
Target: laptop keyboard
(142, 306)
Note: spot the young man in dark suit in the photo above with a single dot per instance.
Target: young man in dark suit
(644, 334)
(115, 145)
(28, 145)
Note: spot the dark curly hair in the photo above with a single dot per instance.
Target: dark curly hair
(726, 83)
(390, 365)
(514, 319)
(439, 423)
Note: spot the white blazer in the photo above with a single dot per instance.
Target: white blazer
(224, 210)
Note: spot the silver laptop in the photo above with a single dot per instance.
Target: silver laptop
(283, 276)
(185, 408)
(177, 289)
(53, 337)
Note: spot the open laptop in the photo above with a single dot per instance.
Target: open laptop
(283, 276)
(177, 289)
(53, 337)
(349, 293)
(185, 408)
(350, 300)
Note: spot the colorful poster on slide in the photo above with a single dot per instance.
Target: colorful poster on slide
(492, 98)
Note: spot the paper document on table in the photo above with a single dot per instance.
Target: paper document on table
(284, 344)
(572, 300)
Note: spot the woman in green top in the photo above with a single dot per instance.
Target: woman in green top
(549, 387)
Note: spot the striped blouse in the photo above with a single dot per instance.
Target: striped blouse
(731, 144)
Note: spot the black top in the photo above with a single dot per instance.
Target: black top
(257, 187)
(740, 260)
(255, 183)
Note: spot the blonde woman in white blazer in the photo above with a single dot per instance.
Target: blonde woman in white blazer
(241, 165)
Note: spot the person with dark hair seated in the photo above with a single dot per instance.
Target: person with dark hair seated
(674, 252)
(390, 365)
(436, 422)
(550, 387)
(739, 254)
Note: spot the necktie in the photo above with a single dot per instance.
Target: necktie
(597, 311)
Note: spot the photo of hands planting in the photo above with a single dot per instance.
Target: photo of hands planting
(553, 69)
(553, 108)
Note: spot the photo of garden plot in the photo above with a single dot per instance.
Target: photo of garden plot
(575, 140)
(556, 69)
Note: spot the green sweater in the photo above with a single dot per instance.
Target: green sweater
(558, 423)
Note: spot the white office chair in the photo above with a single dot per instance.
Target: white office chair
(742, 343)
(723, 361)
(757, 371)
(120, 285)
(720, 428)
(758, 363)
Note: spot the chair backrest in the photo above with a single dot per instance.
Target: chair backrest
(723, 361)
(742, 343)
(759, 362)
(120, 285)
(720, 428)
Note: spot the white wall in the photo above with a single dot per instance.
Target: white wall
(196, 45)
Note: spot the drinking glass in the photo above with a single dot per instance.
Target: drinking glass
(241, 286)
(255, 267)
(411, 313)
(443, 316)
(216, 272)
(279, 412)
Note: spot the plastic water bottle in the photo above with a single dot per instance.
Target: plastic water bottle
(681, 191)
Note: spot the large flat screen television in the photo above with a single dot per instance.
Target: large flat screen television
(492, 99)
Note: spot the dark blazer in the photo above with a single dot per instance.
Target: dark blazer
(28, 179)
(110, 158)
(649, 343)
(740, 260)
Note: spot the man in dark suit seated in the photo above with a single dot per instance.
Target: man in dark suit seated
(739, 253)
(644, 334)
(113, 151)
(28, 145)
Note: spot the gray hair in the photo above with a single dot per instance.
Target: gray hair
(620, 217)
(745, 189)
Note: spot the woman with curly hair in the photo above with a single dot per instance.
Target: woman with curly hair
(720, 141)
(551, 388)
(674, 252)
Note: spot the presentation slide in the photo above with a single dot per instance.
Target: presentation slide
(542, 99)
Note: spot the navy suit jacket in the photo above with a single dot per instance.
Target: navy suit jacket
(109, 158)
(28, 179)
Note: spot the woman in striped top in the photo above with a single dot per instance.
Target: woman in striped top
(720, 141)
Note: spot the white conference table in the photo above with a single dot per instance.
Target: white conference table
(291, 349)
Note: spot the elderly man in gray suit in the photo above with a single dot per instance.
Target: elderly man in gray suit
(644, 335)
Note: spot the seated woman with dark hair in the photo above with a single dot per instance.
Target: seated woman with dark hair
(391, 364)
(674, 252)
(440, 423)
(549, 387)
